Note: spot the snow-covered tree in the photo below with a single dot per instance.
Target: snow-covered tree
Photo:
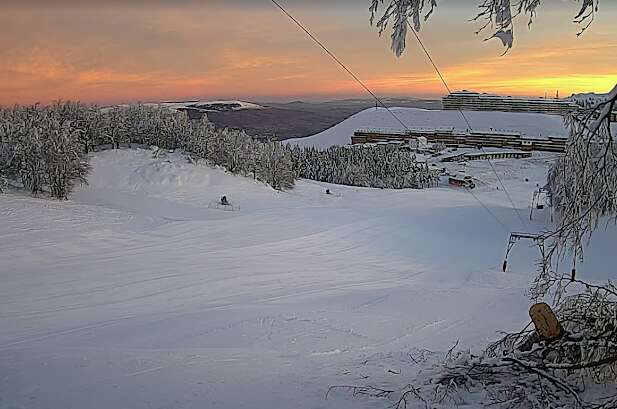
(198, 138)
(7, 148)
(85, 119)
(497, 16)
(275, 167)
(30, 153)
(236, 150)
(115, 130)
(64, 164)
(583, 183)
(43, 148)
(6, 157)
(369, 166)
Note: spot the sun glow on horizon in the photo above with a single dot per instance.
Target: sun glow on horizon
(119, 53)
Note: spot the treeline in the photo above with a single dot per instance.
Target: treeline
(369, 166)
(40, 148)
(47, 146)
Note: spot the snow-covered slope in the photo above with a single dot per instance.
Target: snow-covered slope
(210, 106)
(379, 118)
(135, 294)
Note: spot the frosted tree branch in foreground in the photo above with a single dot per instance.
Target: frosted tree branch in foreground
(522, 370)
(583, 183)
(497, 16)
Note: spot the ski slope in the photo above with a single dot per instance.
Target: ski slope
(528, 124)
(135, 294)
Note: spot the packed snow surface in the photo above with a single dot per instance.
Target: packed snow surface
(527, 124)
(136, 294)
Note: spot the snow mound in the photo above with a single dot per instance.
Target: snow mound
(135, 180)
(529, 124)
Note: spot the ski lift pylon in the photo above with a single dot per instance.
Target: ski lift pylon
(515, 237)
(537, 202)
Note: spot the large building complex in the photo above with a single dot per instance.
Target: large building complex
(483, 135)
(452, 137)
(474, 101)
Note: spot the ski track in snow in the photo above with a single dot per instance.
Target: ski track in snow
(135, 294)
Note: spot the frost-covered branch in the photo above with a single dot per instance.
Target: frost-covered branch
(523, 370)
(583, 183)
(497, 16)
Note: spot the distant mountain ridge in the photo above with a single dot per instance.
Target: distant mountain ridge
(286, 120)
(297, 119)
(209, 106)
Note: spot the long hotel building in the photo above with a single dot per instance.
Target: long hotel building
(474, 101)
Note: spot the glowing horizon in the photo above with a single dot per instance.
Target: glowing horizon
(110, 52)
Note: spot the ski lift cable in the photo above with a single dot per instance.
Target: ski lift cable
(373, 95)
(445, 83)
(503, 225)
(339, 62)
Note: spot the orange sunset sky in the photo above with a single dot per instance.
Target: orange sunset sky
(121, 51)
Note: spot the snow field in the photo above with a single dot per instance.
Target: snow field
(136, 294)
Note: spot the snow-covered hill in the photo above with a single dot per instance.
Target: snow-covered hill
(210, 106)
(379, 118)
(135, 294)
